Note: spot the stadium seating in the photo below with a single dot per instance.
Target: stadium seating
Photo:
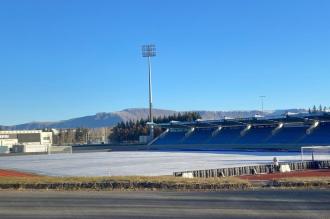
(227, 136)
(256, 136)
(171, 138)
(319, 136)
(288, 135)
(199, 136)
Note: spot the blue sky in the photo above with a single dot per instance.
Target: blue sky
(65, 58)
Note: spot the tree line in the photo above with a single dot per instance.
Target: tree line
(81, 136)
(130, 131)
(71, 136)
(318, 109)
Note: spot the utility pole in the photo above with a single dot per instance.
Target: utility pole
(149, 51)
(262, 104)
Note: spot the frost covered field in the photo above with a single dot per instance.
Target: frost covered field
(146, 163)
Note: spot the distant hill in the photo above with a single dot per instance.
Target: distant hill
(94, 121)
(112, 118)
(245, 113)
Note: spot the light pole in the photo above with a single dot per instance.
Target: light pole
(262, 104)
(149, 51)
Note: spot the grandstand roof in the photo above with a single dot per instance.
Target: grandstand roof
(303, 118)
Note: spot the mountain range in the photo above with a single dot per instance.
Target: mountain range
(111, 119)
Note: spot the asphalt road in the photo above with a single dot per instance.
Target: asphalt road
(229, 204)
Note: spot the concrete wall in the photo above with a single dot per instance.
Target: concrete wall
(4, 150)
(36, 148)
(30, 148)
(250, 170)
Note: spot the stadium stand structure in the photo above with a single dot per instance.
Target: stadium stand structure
(287, 132)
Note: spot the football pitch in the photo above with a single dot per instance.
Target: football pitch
(136, 163)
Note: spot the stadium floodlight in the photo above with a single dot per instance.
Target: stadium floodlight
(262, 104)
(149, 51)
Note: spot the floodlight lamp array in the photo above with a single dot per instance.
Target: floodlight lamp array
(149, 50)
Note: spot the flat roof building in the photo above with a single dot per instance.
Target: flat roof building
(31, 138)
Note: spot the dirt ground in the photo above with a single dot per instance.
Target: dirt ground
(296, 174)
(303, 174)
(12, 173)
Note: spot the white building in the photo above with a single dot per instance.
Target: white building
(32, 140)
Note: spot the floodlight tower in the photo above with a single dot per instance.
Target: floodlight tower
(262, 104)
(149, 51)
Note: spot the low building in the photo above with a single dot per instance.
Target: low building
(32, 140)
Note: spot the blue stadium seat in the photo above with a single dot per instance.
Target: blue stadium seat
(319, 136)
(199, 136)
(256, 135)
(288, 135)
(227, 136)
(171, 138)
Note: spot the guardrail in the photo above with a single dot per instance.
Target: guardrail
(256, 169)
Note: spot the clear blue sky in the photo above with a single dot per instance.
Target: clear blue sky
(63, 58)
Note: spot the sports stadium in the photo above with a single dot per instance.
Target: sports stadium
(289, 132)
(197, 145)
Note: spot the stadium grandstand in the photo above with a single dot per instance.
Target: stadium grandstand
(288, 132)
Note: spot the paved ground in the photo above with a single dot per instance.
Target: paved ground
(147, 163)
(231, 204)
